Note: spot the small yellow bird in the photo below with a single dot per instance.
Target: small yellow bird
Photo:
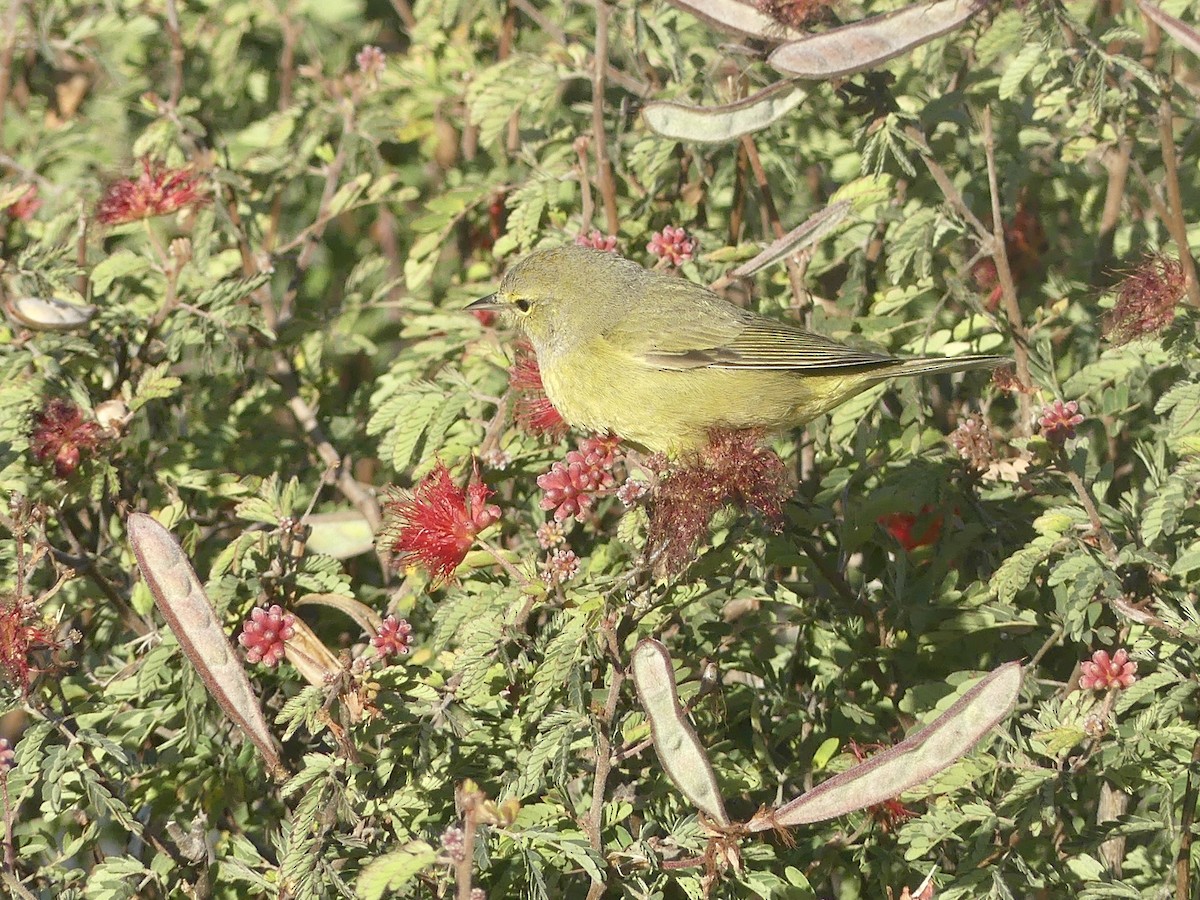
(663, 362)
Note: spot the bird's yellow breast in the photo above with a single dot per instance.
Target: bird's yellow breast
(598, 388)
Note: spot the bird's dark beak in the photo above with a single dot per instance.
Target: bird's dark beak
(489, 303)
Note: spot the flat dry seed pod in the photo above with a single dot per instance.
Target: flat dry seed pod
(717, 124)
(1182, 32)
(341, 534)
(738, 17)
(914, 760)
(48, 313)
(812, 230)
(871, 42)
(679, 749)
(181, 600)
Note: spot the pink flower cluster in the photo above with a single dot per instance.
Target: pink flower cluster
(597, 241)
(393, 638)
(61, 433)
(8, 757)
(673, 245)
(1146, 300)
(264, 634)
(559, 567)
(1058, 421)
(572, 485)
(1102, 671)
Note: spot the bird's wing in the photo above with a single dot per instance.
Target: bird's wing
(694, 328)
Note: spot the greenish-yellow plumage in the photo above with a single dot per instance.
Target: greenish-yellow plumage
(662, 362)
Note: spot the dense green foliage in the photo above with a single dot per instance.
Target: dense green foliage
(305, 347)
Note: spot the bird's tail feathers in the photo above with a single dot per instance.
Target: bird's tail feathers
(928, 365)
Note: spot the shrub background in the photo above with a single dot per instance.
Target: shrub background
(306, 347)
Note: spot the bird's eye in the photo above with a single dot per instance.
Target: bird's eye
(522, 304)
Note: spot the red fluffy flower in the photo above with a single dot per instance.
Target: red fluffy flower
(158, 191)
(22, 632)
(535, 413)
(436, 526)
(733, 469)
(913, 531)
(1146, 300)
(25, 206)
(60, 433)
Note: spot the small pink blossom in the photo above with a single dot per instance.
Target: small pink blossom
(1058, 421)
(393, 638)
(8, 757)
(672, 244)
(597, 241)
(1102, 671)
(454, 843)
(559, 567)
(264, 634)
(973, 441)
(632, 491)
(370, 60)
(550, 534)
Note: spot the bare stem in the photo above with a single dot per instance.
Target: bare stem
(1012, 307)
(1183, 859)
(15, 9)
(768, 201)
(176, 39)
(1107, 544)
(603, 763)
(604, 175)
(1175, 222)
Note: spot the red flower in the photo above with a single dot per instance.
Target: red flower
(1058, 421)
(61, 433)
(156, 192)
(1103, 672)
(393, 638)
(264, 634)
(672, 244)
(1024, 244)
(25, 206)
(573, 484)
(22, 631)
(1146, 300)
(437, 524)
(903, 527)
(534, 412)
(734, 468)
(597, 241)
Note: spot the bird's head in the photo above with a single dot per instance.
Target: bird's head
(566, 296)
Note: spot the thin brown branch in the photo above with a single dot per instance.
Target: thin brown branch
(176, 55)
(799, 294)
(285, 376)
(1175, 222)
(604, 722)
(1008, 287)
(1117, 162)
(615, 75)
(15, 9)
(1183, 859)
(1107, 544)
(405, 14)
(604, 174)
